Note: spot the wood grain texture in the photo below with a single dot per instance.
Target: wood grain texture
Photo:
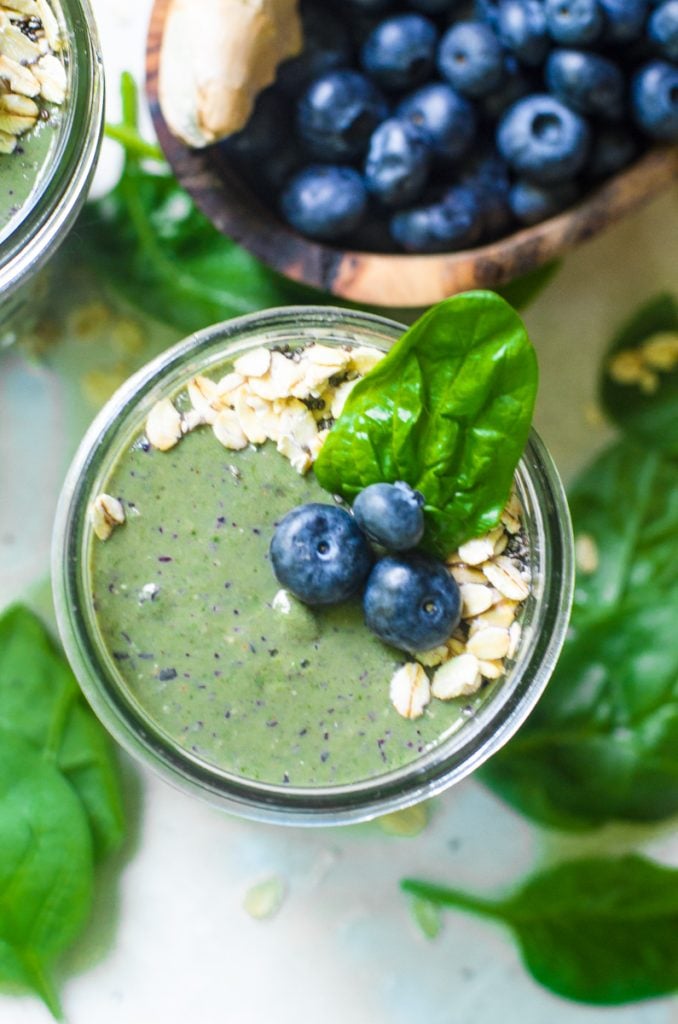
(397, 280)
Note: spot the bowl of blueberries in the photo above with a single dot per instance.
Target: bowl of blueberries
(417, 148)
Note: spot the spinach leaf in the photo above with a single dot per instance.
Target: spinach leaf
(645, 407)
(45, 867)
(602, 743)
(40, 701)
(448, 410)
(147, 239)
(599, 930)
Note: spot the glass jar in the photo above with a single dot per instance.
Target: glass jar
(544, 623)
(49, 212)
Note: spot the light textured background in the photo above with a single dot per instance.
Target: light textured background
(170, 941)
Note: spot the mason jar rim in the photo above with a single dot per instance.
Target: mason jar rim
(55, 206)
(448, 762)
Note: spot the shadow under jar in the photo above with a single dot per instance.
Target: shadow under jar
(44, 183)
(171, 625)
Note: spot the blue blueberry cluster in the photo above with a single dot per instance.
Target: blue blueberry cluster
(432, 125)
(323, 555)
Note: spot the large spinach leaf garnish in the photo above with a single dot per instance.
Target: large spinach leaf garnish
(599, 930)
(448, 410)
(639, 380)
(603, 741)
(45, 867)
(41, 702)
(60, 804)
(148, 241)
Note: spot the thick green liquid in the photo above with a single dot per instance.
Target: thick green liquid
(23, 172)
(300, 697)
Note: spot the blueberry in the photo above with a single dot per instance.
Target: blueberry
(319, 554)
(543, 139)
(448, 119)
(521, 27)
(654, 100)
(397, 163)
(371, 5)
(487, 11)
(470, 58)
(327, 46)
(515, 84)
(273, 173)
(624, 19)
(532, 203)
(613, 148)
(434, 6)
(574, 22)
(453, 223)
(662, 29)
(324, 201)
(400, 52)
(586, 82)
(268, 128)
(488, 177)
(411, 603)
(337, 114)
(391, 515)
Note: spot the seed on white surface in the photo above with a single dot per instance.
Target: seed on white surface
(458, 677)
(410, 690)
(105, 513)
(265, 899)
(163, 426)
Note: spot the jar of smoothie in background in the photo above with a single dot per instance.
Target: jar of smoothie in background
(181, 723)
(54, 174)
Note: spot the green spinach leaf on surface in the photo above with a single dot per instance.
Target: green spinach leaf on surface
(597, 930)
(45, 867)
(448, 410)
(40, 701)
(602, 743)
(149, 242)
(639, 380)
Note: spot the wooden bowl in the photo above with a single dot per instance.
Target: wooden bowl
(395, 280)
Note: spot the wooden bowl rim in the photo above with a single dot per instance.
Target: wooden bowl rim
(391, 279)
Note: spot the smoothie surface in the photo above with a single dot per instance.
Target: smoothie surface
(23, 172)
(228, 667)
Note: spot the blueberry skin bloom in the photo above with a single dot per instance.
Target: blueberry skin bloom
(454, 223)
(662, 29)
(470, 58)
(411, 603)
(337, 114)
(654, 100)
(586, 82)
(391, 515)
(574, 22)
(324, 202)
(624, 19)
(319, 554)
(397, 164)
(521, 27)
(448, 119)
(400, 52)
(543, 140)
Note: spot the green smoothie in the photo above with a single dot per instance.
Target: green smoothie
(23, 172)
(232, 669)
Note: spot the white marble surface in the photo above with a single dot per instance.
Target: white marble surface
(171, 942)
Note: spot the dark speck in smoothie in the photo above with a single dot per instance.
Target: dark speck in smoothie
(167, 673)
(164, 558)
(324, 756)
